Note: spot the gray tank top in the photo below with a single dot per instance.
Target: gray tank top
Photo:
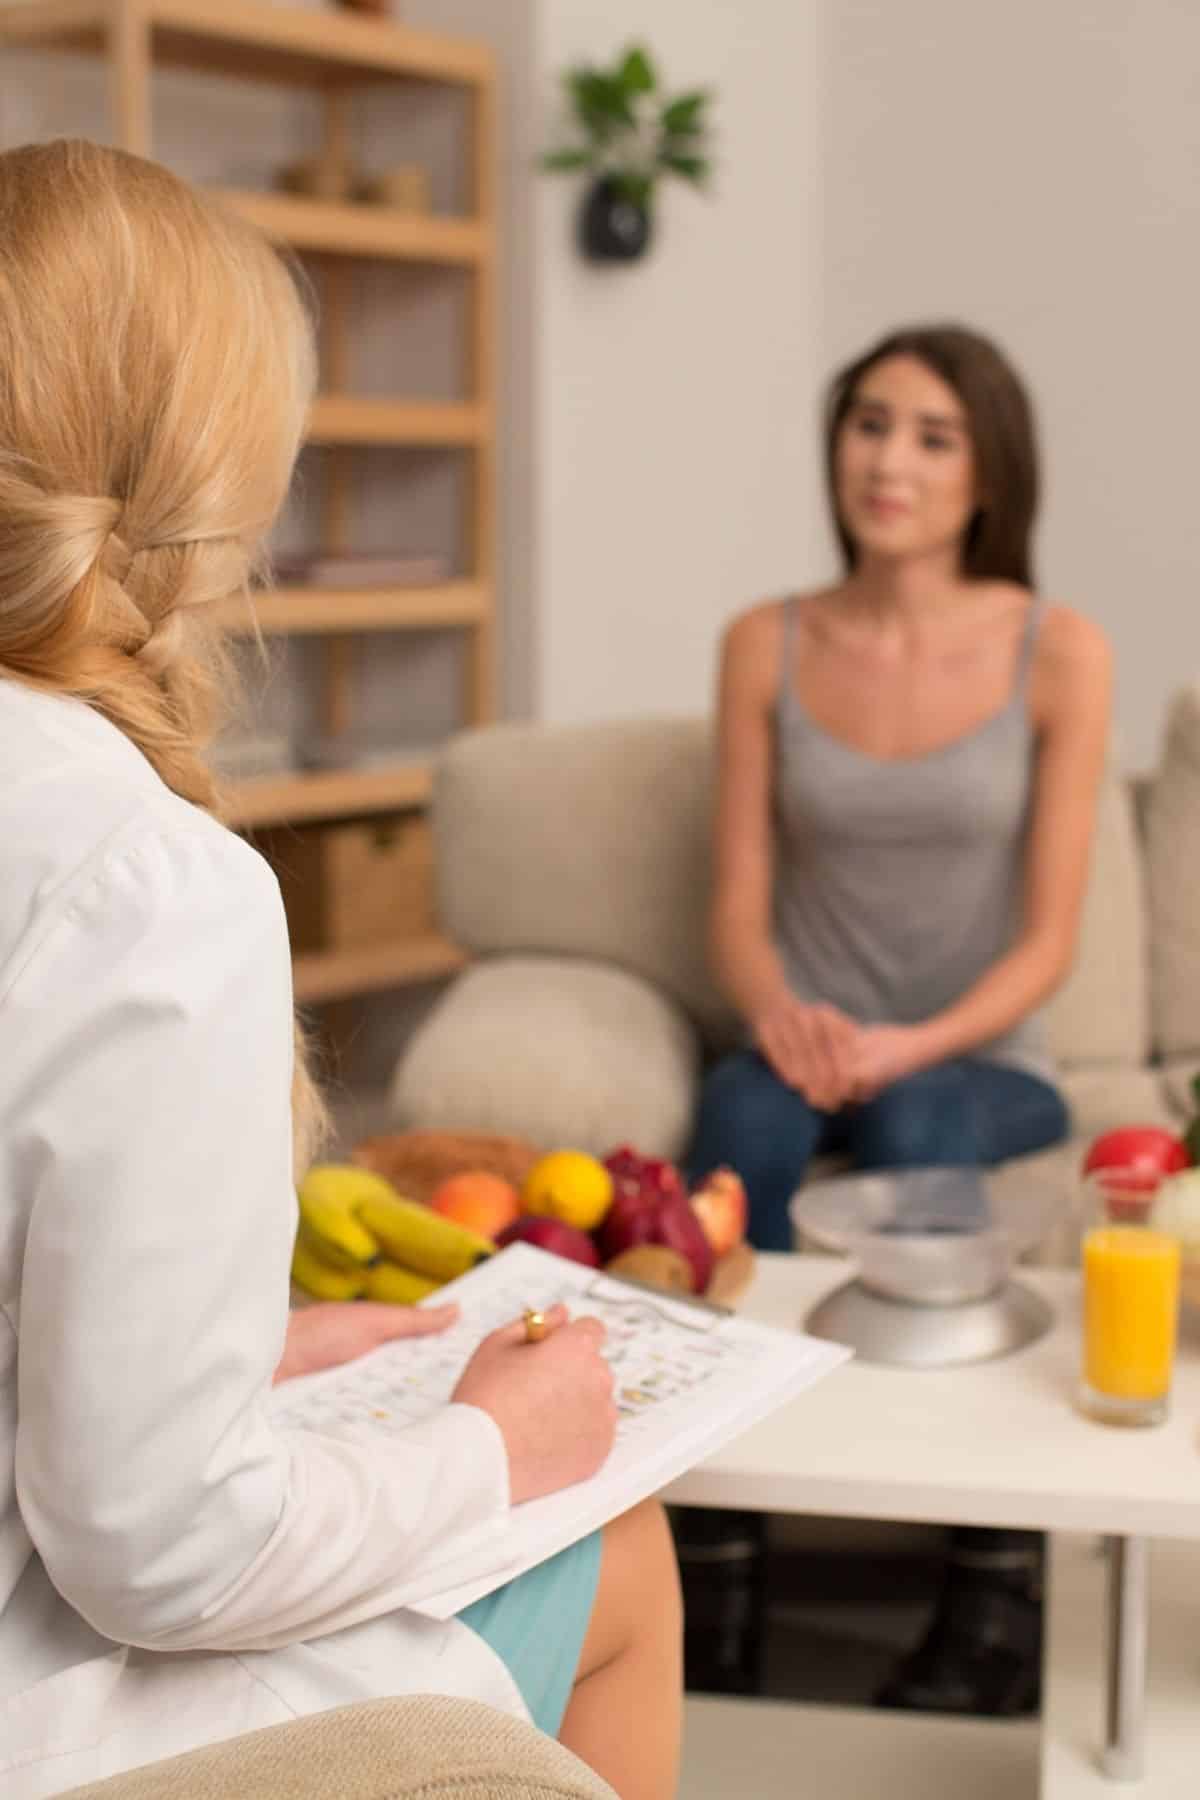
(898, 882)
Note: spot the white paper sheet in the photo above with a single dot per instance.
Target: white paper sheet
(688, 1379)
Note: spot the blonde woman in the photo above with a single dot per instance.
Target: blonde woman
(173, 1569)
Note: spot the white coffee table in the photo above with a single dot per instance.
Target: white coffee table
(997, 1443)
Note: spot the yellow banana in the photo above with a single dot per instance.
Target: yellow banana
(420, 1239)
(387, 1281)
(329, 1225)
(323, 1282)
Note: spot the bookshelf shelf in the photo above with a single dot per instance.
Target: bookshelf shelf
(248, 39)
(337, 229)
(314, 611)
(349, 419)
(338, 974)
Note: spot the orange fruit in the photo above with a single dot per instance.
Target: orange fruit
(481, 1202)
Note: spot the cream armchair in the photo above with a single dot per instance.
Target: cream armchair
(420, 1748)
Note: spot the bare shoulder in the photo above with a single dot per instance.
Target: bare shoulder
(755, 630)
(750, 650)
(1071, 678)
(1071, 644)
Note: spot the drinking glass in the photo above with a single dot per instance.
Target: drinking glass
(1130, 1301)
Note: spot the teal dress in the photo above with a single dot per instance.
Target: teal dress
(537, 1624)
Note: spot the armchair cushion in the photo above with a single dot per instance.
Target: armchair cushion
(416, 1748)
(557, 1050)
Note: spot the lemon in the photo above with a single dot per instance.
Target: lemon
(570, 1186)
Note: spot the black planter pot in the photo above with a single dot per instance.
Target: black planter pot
(612, 228)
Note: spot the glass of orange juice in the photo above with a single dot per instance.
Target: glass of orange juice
(1130, 1303)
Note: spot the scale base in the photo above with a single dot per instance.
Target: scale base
(910, 1336)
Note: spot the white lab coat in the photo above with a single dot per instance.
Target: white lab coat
(173, 1568)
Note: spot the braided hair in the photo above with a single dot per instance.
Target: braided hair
(156, 367)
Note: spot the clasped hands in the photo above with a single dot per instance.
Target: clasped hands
(830, 1059)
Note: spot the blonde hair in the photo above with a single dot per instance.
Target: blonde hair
(156, 367)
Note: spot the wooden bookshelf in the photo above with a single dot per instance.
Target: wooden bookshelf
(338, 53)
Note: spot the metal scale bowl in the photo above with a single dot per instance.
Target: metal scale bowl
(935, 1250)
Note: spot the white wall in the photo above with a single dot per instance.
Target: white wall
(658, 466)
(510, 26)
(676, 476)
(1035, 170)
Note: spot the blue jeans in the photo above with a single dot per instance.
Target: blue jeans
(961, 1113)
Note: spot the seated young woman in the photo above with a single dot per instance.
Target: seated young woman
(908, 768)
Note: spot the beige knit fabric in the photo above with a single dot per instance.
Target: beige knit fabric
(420, 1748)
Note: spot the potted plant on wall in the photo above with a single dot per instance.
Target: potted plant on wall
(632, 136)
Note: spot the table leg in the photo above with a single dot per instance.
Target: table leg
(1124, 1755)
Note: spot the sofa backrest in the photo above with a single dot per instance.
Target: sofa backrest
(583, 840)
(1172, 816)
(1100, 1017)
(593, 841)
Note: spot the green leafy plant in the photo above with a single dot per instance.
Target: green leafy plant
(632, 133)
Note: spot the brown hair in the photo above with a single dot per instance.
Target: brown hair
(156, 368)
(1000, 420)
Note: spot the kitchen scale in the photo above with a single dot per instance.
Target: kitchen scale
(935, 1249)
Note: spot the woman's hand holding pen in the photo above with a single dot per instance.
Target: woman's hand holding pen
(553, 1400)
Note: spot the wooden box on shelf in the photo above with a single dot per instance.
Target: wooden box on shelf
(347, 886)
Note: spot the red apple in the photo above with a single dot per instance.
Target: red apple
(1145, 1150)
(720, 1205)
(1129, 1163)
(554, 1236)
(676, 1226)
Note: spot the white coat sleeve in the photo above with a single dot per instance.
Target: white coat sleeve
(154, 1136)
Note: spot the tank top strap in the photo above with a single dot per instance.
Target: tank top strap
(1033, 621)
(787, 650)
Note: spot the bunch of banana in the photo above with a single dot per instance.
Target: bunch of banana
(321, 1279)
(358, 1239)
